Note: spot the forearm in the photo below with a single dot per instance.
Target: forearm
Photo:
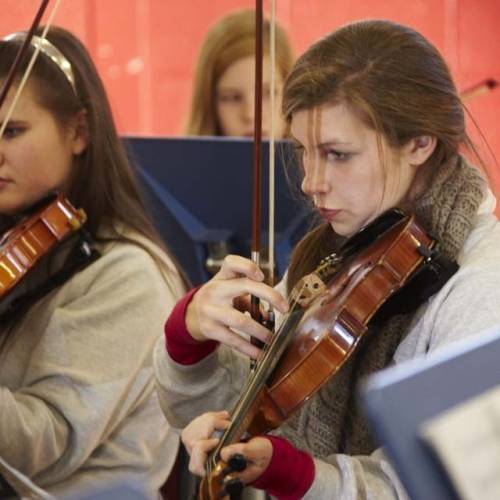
(293, 474)
(193, 376)
(28, 423)
(186, 391)
(353, 478)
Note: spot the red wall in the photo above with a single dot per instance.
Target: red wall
(145, 49)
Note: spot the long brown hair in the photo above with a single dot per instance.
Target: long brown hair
(103, 181)
(230, 39)
(395, 81)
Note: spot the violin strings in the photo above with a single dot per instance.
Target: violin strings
(27, 73)
(255, 378)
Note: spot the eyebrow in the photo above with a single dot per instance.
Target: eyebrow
(227, 87)
(14, 121)
(332, 142)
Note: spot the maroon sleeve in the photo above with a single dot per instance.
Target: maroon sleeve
(181, 346)
(290, 472)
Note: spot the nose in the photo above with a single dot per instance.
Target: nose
(248, 109)
(314, 181)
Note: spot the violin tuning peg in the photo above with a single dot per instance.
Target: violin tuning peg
(233, 488)
(237, 462)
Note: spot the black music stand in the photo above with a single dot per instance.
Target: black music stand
(398, 400)
(199, 193)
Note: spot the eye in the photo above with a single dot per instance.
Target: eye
(332, 155)
(12, 131)
(229, 97)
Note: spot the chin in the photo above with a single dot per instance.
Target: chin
(9, 209)
(342, 229)
(13, 207)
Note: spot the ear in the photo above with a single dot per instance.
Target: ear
(79, 130)
(419, 149)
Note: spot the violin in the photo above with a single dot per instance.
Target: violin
(35, 236)
(330, 310)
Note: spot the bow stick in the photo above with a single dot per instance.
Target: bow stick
(9, 80)
(272, 133)
(257, 156)
(257, 152)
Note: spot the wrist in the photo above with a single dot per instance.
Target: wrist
(290, 473)
(191, 321)
(181, 346)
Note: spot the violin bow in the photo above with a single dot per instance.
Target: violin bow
(9, 80)
(257, 148)
(257, 153)
(272, 139)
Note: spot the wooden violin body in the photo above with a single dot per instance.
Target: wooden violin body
(335, 321)
(23, 246)
(326, 321)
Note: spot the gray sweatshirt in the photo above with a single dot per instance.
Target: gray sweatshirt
(467, 305)
(77, 393)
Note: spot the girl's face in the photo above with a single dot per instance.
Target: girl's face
(235, 95)
(344, 173)
(36, 153)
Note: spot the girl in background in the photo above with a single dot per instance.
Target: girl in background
(223, 90)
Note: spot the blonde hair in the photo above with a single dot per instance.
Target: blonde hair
(230, 39)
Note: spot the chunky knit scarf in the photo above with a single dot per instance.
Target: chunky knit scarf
(332, 421)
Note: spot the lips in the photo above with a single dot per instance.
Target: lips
(4, 182)
(328, 213)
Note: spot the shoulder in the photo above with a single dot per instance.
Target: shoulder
(482, 246)
(479, 259)
(468, 304)
(130, 267)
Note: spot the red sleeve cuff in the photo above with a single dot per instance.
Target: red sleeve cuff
(181, 346)
(290, 472)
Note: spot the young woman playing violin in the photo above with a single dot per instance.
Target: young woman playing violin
(76, 380)
(377, 124)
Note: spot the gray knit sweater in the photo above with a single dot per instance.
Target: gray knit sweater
(77, 395)
(467, 305)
